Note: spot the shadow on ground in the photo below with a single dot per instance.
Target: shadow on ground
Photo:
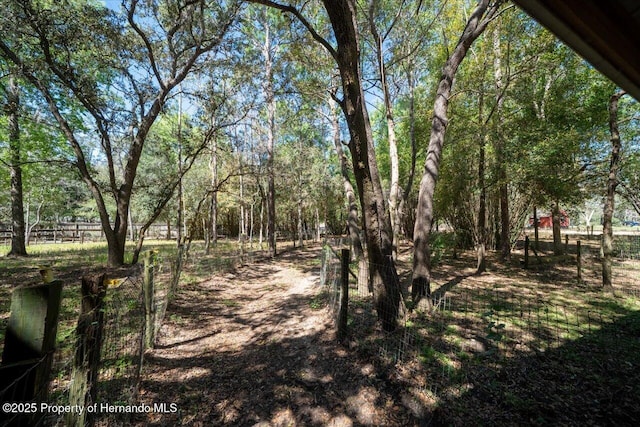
(247, 348)
(594, 380)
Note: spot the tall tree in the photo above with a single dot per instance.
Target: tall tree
(395, 191)
(92, 54)
(353, 220)
(377, 227)
(501, 161)
(612, 183)
(484, 12)
(629, 185)
(563, 110)
(12, 111)
(267, 52)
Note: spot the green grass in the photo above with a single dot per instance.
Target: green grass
(70, 261)
(319, 301)
(230, 303)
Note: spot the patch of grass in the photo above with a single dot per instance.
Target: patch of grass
(319, 301)
(177, 319)
(230, 303)
(274, 287)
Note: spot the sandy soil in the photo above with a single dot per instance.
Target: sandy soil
(252, 347)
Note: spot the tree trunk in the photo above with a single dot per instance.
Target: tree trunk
(262, 202)
(251, 225)
(536, 229)
(300, 225)
(505, 232)
(116, 244)
(213, 212)
(481, 233)
(352, 215)
(477, 22)
(612, 183)
(271, 127)
(557, 235)
(181, 215)
(12, 109)
(395, 192)
(180, 65)
(481, 243)
(632, 196)
(377, 225)
(407, 220)
(30, 227)
(505, 226)
(243, 227)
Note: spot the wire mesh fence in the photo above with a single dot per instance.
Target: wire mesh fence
(122, 350)
(24, 413)
(474, 328)
(625, 262)
(123, 317)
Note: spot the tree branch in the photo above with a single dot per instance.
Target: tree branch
(145, 40)
(295, 12)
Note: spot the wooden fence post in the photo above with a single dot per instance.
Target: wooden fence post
(149, 306)
(566, 244)
(526, 252)
(344, 296)
(84, 376)
(31, 336)
(579, 260)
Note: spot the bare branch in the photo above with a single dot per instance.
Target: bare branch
(295, 12)
(145, 40)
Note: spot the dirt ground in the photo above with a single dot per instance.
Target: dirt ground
(256, 347)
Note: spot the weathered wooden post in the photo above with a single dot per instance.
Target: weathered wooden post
(566, 244)
(30, 340)
(526, 252)
(84, 375)
(579, 260)
(344, 295)
(149, 306)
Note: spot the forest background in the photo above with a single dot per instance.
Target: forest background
(292, 121)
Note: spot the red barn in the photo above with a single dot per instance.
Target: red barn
(546, 221)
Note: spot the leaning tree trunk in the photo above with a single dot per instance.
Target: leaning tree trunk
(421, 282)
(18, 247)
(378, 234)
(612, 183)
(377, 225)
(352, 216)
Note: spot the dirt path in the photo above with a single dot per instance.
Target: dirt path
(252, 347)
